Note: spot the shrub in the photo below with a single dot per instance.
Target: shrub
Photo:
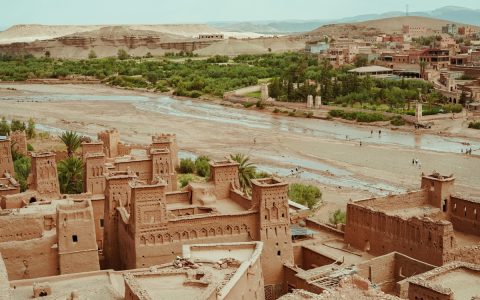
(453, 108)
(187, 166)
(262, 174)
(397, 121)
(291, 113)
(338, 217)
(247, 104)
(276, 110)
(260, 104)
(202, 167)
(474, 125)
(308, 195)
(185, 179)
(30, 147)
(22, 167)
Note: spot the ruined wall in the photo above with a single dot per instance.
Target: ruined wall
(19, 142)
(6, 160)
(464, 215)
(379, 233)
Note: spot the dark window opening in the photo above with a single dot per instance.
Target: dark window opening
(279, 253)
(33, 200)
(43, 294)
(101, 223)
(74, 238)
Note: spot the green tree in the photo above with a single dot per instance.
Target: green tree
(187, 166)
(4, 127)
(17, 125)
(22, 166)
(122, 54)
(70, 175)
(72, 141)
(308, 195)
(202, 166)
(92, 54)
(361, 61)
(47, 54)
(246, 171)
(30, 131)
(338, 217)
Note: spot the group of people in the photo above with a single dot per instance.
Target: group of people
(416, 162)
(468, 151)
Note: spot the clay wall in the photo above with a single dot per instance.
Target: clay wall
(31, 258)
(312, 259)
(117, 195)
(464, 215)
(179, 197)
(19, 142)
(4, 285)
(163, 167)
(92, 147)
(18, 200)
(416, 292)
(77, 244)
(127, 256)
(6, 160)
(141, 167)
(249, 285)
(162, 246)
(223, 175)
(20, 228)
(98, 206)
(44, 177)
(110, 139)
(439, 190)
(240, 199)
(408, 200)
(167, 141)
(379, 233)
(293, 282)
(94, 173)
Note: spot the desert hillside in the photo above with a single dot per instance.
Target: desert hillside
(386, 25)
(29, 33)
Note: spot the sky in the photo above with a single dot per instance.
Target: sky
(200, 11)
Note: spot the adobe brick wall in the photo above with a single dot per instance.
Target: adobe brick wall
(6, 160)
(379, 233)
(465, 215)
(19, 142)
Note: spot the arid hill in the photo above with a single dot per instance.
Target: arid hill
(29, 33)
(386, 25)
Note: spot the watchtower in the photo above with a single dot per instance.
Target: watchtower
(6, 160)
(43, 177)
(270, 197)
(77, 243)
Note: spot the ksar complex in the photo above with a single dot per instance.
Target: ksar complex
(321, 156)
(134, 234)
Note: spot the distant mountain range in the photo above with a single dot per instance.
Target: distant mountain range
(451, 13)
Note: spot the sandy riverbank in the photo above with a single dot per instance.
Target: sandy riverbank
(372, 162)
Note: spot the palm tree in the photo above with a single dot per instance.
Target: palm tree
(246, 171)
(423, 66)
(70, 175)
(72, 140)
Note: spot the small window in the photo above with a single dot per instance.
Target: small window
(279, 253)
(101, 223)
(74, 238)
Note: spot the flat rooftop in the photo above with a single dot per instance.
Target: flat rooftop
(168, 281)
(464, 283)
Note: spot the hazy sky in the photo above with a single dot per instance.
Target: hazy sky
(196, 11)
